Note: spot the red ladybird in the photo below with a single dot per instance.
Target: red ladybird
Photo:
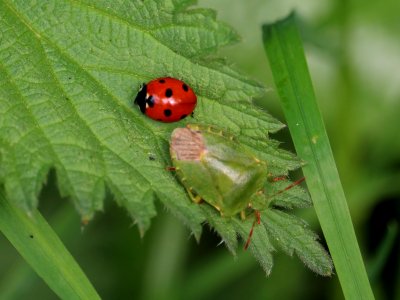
(166, 99)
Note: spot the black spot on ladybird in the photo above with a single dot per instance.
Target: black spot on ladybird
(185, 87)
(161, 81)
(150, 101)
(168, 93)
(183, 116)
(167, 112)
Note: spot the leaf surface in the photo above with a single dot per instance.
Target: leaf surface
(69, 71)
(66, 98)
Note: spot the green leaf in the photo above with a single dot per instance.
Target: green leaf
(252, 123)
(223, 226)
(279, 161)
(69, 71)
(289, 67)
(66, 99)
(381, 258)
(260, 245)
(284, 195)
(292, 236)
(41, 248)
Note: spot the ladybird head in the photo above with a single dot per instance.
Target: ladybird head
(141, 98)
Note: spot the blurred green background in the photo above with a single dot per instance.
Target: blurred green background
(353, 51)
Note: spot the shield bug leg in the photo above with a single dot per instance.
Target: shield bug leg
(256, 221)
(297, 182)
(257, 212)
(276, 179)
(195, 198)
(292, 185)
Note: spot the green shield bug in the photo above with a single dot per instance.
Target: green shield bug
(214, 168)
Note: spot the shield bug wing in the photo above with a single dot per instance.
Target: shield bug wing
(237, 173)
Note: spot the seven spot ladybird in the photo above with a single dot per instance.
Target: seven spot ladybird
(166, 99)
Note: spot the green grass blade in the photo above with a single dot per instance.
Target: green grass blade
(376, 265)
(286, 55)
(38, 244)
